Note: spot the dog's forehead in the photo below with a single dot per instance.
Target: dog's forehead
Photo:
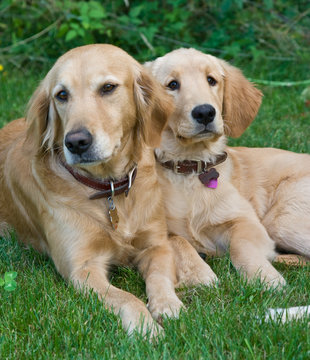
(186, 61)
(94, 63)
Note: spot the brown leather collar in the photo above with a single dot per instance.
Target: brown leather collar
(192, 166)
(107, 188)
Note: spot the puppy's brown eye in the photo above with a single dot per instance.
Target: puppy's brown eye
(107, 88)
(62, 95)
(174, 85)
(211, 81)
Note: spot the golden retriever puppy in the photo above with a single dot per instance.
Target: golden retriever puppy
(218, 197)
(78, 179)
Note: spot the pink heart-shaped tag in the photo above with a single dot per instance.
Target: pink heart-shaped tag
(209, 178)
(212, 184)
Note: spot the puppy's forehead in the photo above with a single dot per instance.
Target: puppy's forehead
(184, 61)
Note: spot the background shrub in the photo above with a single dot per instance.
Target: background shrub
(38, 31)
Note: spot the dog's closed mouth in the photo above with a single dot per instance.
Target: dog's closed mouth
(90, 162)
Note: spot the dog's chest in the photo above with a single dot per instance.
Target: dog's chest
(130, 221)
(128, 229)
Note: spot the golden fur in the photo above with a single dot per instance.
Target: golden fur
(263, 195)
(51, 211)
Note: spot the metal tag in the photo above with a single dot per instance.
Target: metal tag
(114, 218)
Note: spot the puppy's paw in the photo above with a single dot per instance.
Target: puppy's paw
(203, 277)
(208, 279)
(274, 282)
(165, 307)
(271, 279)
(201, 274)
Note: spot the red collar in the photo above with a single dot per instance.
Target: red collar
(108, 187)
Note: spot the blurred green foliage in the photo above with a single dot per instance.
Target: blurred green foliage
(38, 31)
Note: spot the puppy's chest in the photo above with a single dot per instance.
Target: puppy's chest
(194, 212)
(186, 196)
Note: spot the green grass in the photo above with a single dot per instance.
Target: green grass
(16, 89)
(45, 318)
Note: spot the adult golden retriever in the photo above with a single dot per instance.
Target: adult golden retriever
(78, 180)
(261, 197)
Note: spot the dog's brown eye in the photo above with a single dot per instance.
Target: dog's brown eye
(107, 88)
(211, 81)
(173, 85)
(62, 95)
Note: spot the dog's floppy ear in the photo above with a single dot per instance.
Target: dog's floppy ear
(241, 101)
(154, 106)
(41, 121)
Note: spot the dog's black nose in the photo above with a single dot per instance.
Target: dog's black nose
(78, 141)
(204, 114)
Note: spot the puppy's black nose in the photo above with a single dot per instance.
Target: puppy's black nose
(204, 114)
(78, 141)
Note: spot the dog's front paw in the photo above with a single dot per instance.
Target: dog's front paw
(165, 307)
(146, 327)
(137, 319)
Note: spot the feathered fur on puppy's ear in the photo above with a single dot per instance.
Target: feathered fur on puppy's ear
(41, 119)
(241, 101)
(154, 106)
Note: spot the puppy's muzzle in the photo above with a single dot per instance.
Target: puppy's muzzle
(78, 141)
(204, 114)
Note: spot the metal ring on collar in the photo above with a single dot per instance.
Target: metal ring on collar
(112, 188)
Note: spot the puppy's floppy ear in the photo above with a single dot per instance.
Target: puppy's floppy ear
(41, 121)
(154, 106)
(241, 101)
